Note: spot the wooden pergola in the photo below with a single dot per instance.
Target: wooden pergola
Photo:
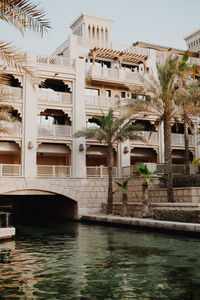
(121, 56)
(165, 49)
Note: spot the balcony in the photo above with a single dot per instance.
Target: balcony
(119, 77)
(10, 93)
(53, 171)
(13, 130)
(99, 171)
(54, 131)
(148, 136)
(10, 170)
(49, 96)
(100, 101)
(178, 139)
(53, 60)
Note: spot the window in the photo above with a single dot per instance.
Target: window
(138, 97)
(103, 63)
(92, 92)
(130, 68)
(108, 93)
(123, 94)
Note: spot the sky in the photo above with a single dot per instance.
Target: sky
(154, 21)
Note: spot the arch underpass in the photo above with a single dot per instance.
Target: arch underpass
(38, 205)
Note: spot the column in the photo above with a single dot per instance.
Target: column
(29, 144)
(79, 121)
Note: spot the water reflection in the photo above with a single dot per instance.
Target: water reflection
(78, 261)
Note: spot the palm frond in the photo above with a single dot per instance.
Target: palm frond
(24, 15)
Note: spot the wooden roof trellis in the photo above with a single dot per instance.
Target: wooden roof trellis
(122, 56)
(165, 49)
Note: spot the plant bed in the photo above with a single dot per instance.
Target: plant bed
(177, 215)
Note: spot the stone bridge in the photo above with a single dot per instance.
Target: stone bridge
(87, 193)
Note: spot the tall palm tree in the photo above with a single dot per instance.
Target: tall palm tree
(160, 103)
(188, 101)
(23, 15)
(111, 131)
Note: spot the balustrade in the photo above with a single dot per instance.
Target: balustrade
(52, 97)
(100, 101)
(178, 139)
(99, 171)
(10, 170)
(11, 93)
(54, 130)
(53, 171)
(54, 60)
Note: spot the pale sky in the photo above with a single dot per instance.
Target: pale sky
(163, 22)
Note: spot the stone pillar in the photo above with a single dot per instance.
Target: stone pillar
(29, 145)
(79, 121)
(125, 157)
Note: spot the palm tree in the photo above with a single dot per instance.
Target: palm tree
(189, 106)
(111, 131)
(23, 15)
(124, 189)
(147, 175)
(160, 103)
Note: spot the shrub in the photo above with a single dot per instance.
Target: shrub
(183, 180)
(178, 215)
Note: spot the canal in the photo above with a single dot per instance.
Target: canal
(80, 261)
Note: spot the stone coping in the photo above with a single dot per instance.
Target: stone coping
(164, 204)
(144, 223)
(7, 232)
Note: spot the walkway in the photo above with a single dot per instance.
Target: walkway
(144, 223)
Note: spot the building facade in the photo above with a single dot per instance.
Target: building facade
(84, 77)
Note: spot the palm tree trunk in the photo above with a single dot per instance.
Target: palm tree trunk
(124, 204)
(145, 199)
(187, 153)
(110, 187)
(168, 156)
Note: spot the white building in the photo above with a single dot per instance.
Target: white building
(83, 77)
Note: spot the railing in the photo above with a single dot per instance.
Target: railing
(54, 131)
(52, 97)
(100, 101)
(11, 93)
(13, 129)
(176, 169)
(99, 171)
(54, 60)
(53, 171)
(113, 75)
(10, 170)
(178, 139)
(148, 136)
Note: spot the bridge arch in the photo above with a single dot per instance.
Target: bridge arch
(52, 202)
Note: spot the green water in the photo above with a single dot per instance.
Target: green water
(79, 261)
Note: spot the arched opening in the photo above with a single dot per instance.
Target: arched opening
(53, 160)
(147, 155)
(12, 81)
(36, 206)
(56, 85)
(178, 156)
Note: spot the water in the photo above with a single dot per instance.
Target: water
(79, 261)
